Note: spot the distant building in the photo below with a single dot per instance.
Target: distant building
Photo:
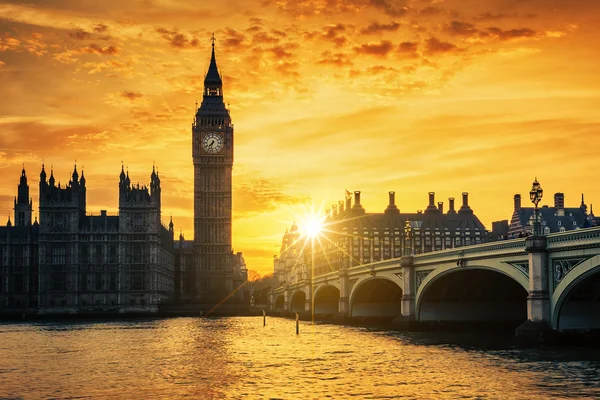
(552, 219)
(71, 262)
(353, 237)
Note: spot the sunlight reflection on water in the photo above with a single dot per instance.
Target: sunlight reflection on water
(239, 358)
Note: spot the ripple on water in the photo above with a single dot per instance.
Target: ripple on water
(238, 357)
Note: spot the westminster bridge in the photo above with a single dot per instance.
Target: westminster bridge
(547, 282)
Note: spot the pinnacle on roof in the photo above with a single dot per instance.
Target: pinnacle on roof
(212, 76)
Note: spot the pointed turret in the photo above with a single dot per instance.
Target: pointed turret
(9, 224)
(75, 176)
(212, 76)
(43, 175)
(82, 179)
(51, 181)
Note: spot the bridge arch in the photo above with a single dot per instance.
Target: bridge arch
(279, 303)
(496, 291)
(326, 299)
(576, 299)
(298, 301)
(376, 296)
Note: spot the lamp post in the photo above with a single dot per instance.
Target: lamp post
(536, 195)
(407, 239)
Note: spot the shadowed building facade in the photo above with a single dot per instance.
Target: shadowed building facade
(71, 262)
(354, 237)
(552, 219)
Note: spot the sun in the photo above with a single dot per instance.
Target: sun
(312, 226)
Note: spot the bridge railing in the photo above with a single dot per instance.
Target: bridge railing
(579, 235)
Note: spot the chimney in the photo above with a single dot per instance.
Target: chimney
(451, 209)
(341, 203)
(441, 206)
(103, 213)
(559, 201)
(465, 205)
(357, 205)
(391, 208)
(431, 206)
(334, 208)
(517, 202)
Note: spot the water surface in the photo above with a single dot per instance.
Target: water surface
(231, 358)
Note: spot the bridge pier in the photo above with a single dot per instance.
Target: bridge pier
(309, 296)
(539, 324)
(344, 304)
(286, 299)
(407, 307)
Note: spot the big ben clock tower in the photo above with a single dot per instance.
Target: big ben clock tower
(212, 150)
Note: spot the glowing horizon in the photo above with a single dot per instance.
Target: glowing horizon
(405, 95)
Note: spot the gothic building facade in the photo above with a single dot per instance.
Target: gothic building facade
(352, 237)
(72, 262)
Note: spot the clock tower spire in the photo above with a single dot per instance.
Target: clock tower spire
(212, 153)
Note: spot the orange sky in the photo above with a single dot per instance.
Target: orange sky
(371, 95)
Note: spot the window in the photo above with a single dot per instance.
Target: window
(113, 281)
(137, 281)
(58, 254)
(57, 281)
(84, 284)
(559, 224)
(98, 280)
(1, 284)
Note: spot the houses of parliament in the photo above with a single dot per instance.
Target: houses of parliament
(71, 262)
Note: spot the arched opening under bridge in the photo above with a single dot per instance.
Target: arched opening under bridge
(298, 301)
(474, 295)
(327, 300)
(376, 298)
(580, 309)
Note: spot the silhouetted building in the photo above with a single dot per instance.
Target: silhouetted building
(19, 254)
(353, 237)
(207, 269)
(71, 262)
(552, 219)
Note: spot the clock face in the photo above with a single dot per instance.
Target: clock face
(212, 143)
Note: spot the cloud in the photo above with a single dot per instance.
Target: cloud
(234, 39)
(332, 33)
(511, 34)
(130, 99)
(280, 52)
(80, 34)
(469, 30)
(376, 27)
(459, 28)
(100, 28)
(9, 43)
(255, 196)
(408, 49)
(393, 11)
(178, 40)
(338, 59)
(435, 46)
(381, 48)
(487, 16)
(96, 49)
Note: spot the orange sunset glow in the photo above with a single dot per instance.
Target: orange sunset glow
(413, 96)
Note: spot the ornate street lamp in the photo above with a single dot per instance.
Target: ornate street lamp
(536, 195)
(407, 239)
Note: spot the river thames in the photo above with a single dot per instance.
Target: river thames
(231, 358)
